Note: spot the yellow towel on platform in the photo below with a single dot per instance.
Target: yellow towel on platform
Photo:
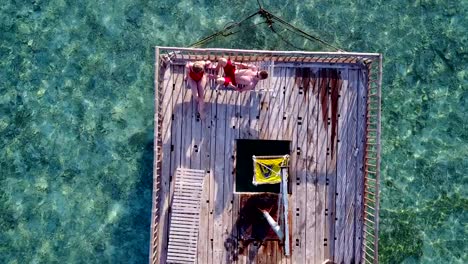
(268, 171)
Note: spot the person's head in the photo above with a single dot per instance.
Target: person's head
(263, 75)
(222, 62)
(197, 67)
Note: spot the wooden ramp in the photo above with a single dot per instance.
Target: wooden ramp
(185, 216)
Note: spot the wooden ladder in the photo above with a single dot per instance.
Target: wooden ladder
(185, 216)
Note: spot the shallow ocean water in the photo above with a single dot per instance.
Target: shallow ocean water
(76, 118)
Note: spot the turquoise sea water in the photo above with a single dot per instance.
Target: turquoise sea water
(76, 111)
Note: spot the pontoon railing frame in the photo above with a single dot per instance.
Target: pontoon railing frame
(370, 213)
(370, 62)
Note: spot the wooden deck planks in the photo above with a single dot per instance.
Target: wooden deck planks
(321, 213)
(231, 115)
(167, 88)
(276, 103)
(351, 171)
(186, 150)
(212, 96)
(197, 139)
(185, 216)
(177, 77)
(263, 121)
(335, 84)
(341, 182)
(267, 253)
(311, 180)
(244, 122)
(255, 107)
(290, 134)
(254, 114)
(286, 89)
(231, 132)
(220, 172)
(301, 161)
(204, 247)
(198, 149)
(360, 141)
(178, 120)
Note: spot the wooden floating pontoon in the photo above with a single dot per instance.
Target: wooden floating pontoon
(326, 104)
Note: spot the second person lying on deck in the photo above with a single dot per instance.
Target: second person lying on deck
(196, 79)
(246, 75)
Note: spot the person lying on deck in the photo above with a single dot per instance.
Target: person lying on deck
(246, 75)
(196, 79)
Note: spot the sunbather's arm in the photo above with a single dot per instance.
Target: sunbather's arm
(187, 68)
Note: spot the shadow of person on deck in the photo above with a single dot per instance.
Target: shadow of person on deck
(200, 139)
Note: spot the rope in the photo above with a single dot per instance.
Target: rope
(251, 26)
(259, 5)
(269, 19)
(283, 39)
(301, 32)
(224, 32)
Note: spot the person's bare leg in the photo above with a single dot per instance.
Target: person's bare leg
(220, 80)
(201, 97)
(193, 86)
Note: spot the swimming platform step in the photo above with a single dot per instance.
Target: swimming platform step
(185, 216)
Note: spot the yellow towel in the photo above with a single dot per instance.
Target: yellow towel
(268, 171)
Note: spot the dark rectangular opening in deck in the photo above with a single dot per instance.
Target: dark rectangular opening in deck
(246, 148)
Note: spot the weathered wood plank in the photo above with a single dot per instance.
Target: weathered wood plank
(211, 106)
(262, 254)
(360, 141)
(198, 139)
(187, 138)
(273, 251)
(322, 238)
(341, 171)
(178, 98)
(245, 109)
(276, 87)
(302, 81)
(282, 101)
(264, 114)
(244, 116)
(334, 87)
(252, 252)
(292, 93)
(311, 181)
(350, 169)
(184, 224)
(220, 176)
(254, 114)
(233, 241)
(164, 178)
(177, 81)
(231, 133)
(283, 91)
